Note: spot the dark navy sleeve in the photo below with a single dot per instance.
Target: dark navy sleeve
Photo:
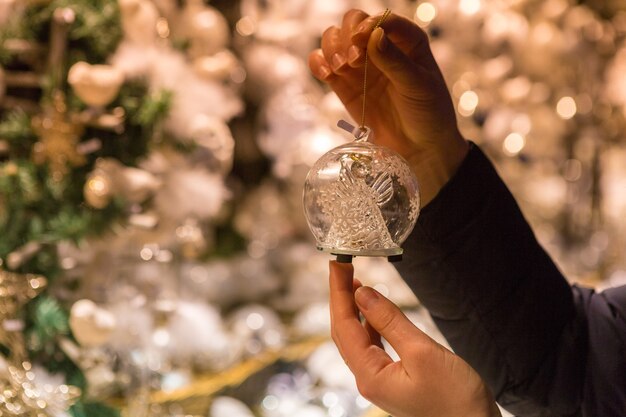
(605, 383)
(503, 305)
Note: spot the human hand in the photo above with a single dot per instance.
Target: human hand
(427, 381)
(408, 105)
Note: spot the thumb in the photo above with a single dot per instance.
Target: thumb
(392, 62)
(387, 319)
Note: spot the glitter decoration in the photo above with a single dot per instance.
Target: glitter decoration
(23, 394)
(59, 138)
(15, 291)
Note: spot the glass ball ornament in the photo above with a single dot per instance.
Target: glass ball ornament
(361, 199)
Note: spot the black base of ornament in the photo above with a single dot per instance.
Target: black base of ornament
(347, 259)
(394, 258)
(343, 259)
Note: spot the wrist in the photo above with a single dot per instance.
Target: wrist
(485, 404)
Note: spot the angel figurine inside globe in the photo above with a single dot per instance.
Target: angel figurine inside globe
(361, 199)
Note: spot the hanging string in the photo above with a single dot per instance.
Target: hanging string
(384, 16)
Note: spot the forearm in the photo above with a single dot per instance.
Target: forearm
(474, 262)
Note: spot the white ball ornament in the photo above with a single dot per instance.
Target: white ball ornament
(136, 185)
(91, 325)
(219, 66)
(258, 327)
(139, 20)
(206, 29)
(95, 85)
(215, 140)
(229, 406)
(271, 68)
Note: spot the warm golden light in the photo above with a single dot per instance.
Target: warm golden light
(513, 144)
(98, 185)
(425, 14)
(469, 7)
(566, 107)
(468, 102)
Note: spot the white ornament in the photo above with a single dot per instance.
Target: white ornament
(270, 68)
(90, 324)
(96, 85)
(217, 144)
(198, 335)
(139, 20)
(136, 185)
(110, 178)
(229, 406)
(327, 366)
(218, 66)
(313, 320)
(205, 27)
(191, 192)
(258, 327)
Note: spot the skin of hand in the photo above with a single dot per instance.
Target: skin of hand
(408, 105)
(427, 381)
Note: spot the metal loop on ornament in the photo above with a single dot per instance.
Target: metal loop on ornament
(361, 133)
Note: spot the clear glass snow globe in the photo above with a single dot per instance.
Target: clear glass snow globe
(361, 199)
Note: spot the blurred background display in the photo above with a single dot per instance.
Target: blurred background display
(154, 256)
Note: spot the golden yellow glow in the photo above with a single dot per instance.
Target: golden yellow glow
(468, 102)
(566, 107)
(513, 144)
(98, 185)
(469, 7)
(425, 13)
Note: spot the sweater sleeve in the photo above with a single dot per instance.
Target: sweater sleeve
(497, 297)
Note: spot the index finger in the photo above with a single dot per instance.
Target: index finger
(404, 34)
(350, 336)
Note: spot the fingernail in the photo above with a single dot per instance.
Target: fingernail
(359, 29)
(338, 61)
(324, 72)
(366, 297)
(382, 42)
(354, 53)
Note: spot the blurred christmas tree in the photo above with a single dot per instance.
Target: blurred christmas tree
(151, 230)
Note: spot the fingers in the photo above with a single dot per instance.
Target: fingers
(409, 38)
(332, 46)
(319, 66)
(392, 62)
(354, 55)
(351, 337)
(347, 88)
(375, 337)
(387, 319)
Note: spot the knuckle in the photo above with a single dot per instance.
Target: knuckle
(367, 389)
(330, 31)
(388, 319)
(354, 13)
